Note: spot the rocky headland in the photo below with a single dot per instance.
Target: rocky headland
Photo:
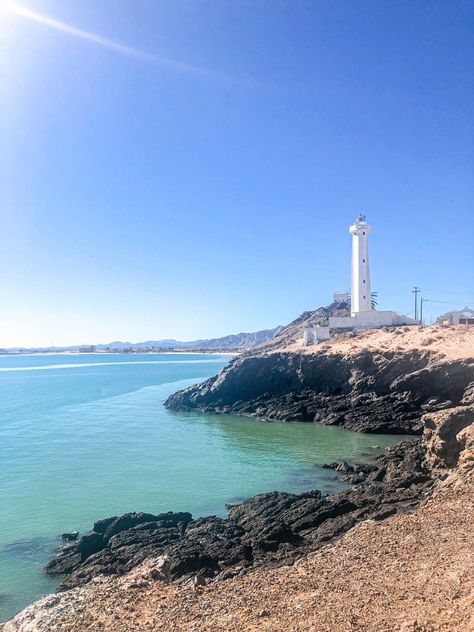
(413, 381)
(378, 381)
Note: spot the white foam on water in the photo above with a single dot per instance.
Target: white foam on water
(81, 365)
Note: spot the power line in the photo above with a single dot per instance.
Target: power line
(427, 289)
(432, 300)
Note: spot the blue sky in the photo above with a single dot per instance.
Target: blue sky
(190, 169)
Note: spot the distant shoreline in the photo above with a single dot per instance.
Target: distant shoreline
(117, 352)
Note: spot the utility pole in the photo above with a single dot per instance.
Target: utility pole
(416, 291)
(421, 311)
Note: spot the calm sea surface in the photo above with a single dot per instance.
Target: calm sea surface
(86, 436)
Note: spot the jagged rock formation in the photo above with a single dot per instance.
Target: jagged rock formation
(267, 529)
(383, 391)
(448, 434)
(236, 341)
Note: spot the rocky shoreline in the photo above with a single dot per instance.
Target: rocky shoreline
(411, 572)
(368, 391)
(411, 391)
(268, 529)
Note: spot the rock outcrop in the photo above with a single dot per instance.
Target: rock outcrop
(271, 528)
(448, 434)
(367, 391)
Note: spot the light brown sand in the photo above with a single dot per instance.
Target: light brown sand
(453, 343)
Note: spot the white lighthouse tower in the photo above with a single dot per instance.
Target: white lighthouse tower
(361, 298)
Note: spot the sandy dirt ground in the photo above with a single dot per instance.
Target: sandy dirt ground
(451, 343)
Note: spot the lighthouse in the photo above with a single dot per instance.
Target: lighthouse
(362, 317)
(361, 298)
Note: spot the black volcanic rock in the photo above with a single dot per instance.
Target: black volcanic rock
(270, 528)
(144, 521)
(119, 542)
(90, 543)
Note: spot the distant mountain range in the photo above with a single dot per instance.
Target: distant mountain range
(233, 341)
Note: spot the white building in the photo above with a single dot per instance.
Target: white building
(315, 335)
(458, 317)
(361, 296)
(341, 296)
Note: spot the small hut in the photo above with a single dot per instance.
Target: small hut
(462, 317)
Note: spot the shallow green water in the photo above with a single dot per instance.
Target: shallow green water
(85, 436)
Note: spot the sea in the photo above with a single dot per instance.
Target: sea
(86, 436)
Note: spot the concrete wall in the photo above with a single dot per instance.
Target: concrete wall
(321, 333)
(370, 320)
(308, 336)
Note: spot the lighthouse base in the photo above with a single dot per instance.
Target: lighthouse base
(372, 319)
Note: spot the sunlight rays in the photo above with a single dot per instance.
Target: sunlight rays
(123, 49)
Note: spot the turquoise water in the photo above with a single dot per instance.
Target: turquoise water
(86, 436)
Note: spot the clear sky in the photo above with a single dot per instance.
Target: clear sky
(190, 169)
